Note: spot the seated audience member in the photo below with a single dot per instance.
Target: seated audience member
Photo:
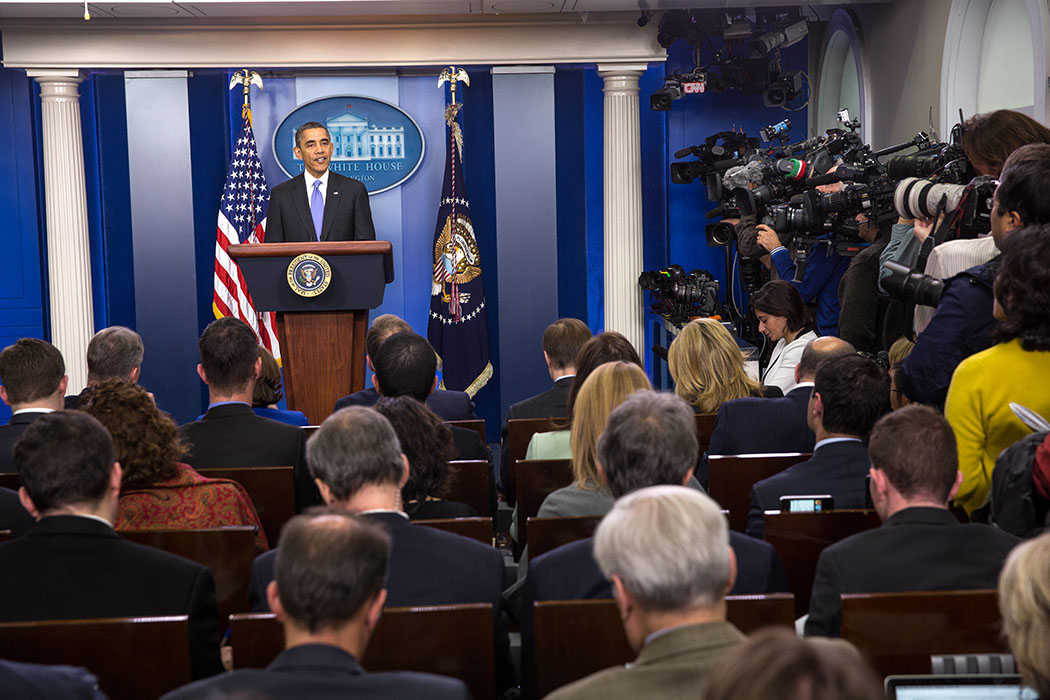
(157, 491)
(268, 392)
(963, 323)
(897, 354)
(1016, 370)
(850, 393)
(13, 516)
(899, 351)
(708, 367)
(72, 565)
(921, 545)
(1020, 501)
(450, 405)
(357, 461)
(605, 389)
(32, 382)
(782, 319)
(649, 440)
(1024, 601)
(328, 595)
(666, 551)
(608, 346)
(562, 341)
(40, 682)
(113, 353)
(230, 435)
(774, 664)
(756, 426)
(428, 445)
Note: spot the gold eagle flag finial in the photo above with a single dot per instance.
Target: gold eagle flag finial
(246, 78)
(452, 76)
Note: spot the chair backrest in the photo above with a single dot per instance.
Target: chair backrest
(450, 640)
(471, 485)
(133, 657)
(9, 480)
(477, 425)
(536, 479)
(730, 478)
(899, 632)
(5, 535)
(272, 490)
(546, 534)
(519, 433)
(705, 425)
(310, 430)
(799, 538)
(479, 529)
(575, 638)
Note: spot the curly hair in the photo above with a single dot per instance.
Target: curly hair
(708, 366)
(428, 444)
(147, 441)
(1022, 288)
(268, 387)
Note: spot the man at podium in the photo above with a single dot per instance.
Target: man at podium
(317, 204)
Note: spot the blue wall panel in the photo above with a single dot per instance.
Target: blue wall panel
(594, 153)
(570, 144)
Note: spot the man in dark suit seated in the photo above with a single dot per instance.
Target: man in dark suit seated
(113, 353)
(666, 551)
(562, 341)
(758, 426)
(230, 435)
(72, 565)
(921, 545)
(33, 383)
(850, 393)
(328, 594)
(358, 464)
(448, 405)
(650, 440)
(41, 682)
(13, 516)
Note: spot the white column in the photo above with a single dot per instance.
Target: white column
(68, 250)
(623, 203)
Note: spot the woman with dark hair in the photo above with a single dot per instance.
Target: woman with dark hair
(428, 445)
(268, 393)
(609, 346)
(157, 491)
(1017, 370)
(782, 318)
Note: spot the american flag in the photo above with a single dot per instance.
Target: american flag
(242, 219)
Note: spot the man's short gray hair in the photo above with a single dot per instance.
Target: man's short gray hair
(113, 353)
(650, 439)
(670, 547)
(353, 448)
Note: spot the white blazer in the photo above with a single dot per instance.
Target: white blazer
(781, 370)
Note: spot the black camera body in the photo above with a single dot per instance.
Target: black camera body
(679, 296)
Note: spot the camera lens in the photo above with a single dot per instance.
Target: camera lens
(914, 198)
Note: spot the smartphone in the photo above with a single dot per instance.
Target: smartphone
(806, 504)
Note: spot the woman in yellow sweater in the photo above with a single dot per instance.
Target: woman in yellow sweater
(1015, 370)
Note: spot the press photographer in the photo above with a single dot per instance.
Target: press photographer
(963, 322)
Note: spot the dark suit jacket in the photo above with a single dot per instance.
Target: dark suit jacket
(70, 567)
(916, 549)
(427, 567)
(571, 572)
(551, 403)
(447, 405)
(11, 434)
(72, 401)
(837, 469)
(347, 216)
(321, 672)
(13, 516)
(232, 436)
(40, 682)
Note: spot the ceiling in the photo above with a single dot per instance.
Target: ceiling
(244, 9)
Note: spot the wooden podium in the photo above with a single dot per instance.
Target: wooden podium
(322, 337)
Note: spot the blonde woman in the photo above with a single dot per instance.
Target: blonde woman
(708, 367)
(1024, 601)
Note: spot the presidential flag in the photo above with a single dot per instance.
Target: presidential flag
(242, 219)
(457, 327)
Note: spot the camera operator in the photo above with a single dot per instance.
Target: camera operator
(987, 140)
(824, 270)
(963, 322)
(750, 176)
(858, 289)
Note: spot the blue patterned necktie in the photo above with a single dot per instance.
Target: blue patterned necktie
(317, 208)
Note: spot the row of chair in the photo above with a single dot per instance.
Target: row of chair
(897, 633)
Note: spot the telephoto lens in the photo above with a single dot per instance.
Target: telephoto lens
(909, 286)
(919, 199)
